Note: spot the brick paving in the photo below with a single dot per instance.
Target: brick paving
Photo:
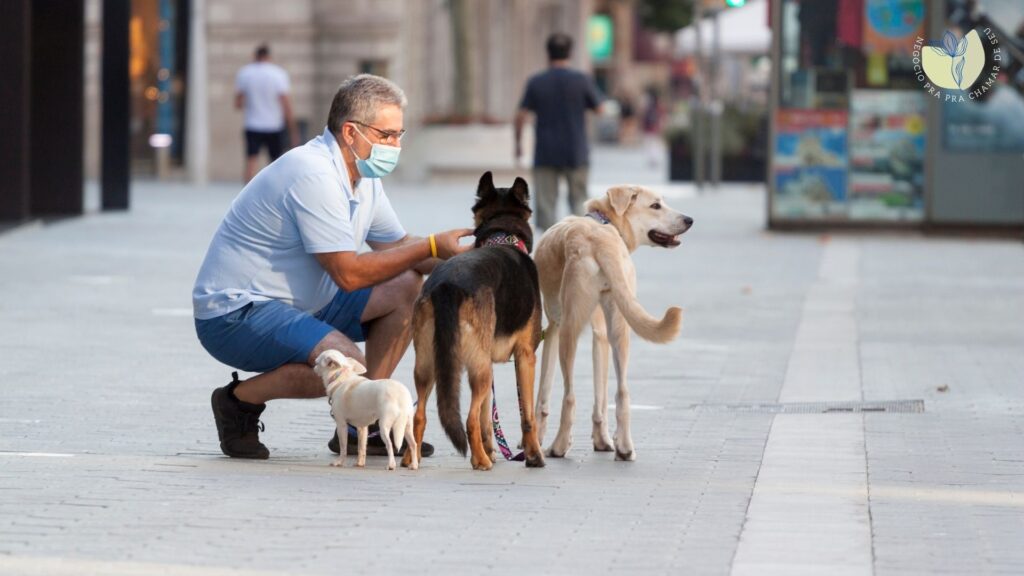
(109, 461)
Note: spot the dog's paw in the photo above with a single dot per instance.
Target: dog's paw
(624, 447)
(338, 463)
(552, 453)
(559, 448)
(535, 461)
(483, 464)
(603, 444)
(391, 465)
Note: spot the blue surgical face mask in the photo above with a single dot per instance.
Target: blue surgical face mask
(381, 161)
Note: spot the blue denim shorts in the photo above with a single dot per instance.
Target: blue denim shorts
(262, 336)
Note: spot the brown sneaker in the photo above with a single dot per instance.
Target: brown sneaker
(238, 423)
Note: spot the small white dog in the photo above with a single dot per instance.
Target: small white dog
(360, 402)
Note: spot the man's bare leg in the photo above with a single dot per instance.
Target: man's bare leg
(295, 380)
(388, 314)
(389, 318)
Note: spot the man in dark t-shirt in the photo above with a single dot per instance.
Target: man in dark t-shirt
(559, 98)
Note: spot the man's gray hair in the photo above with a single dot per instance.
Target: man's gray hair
(360, 97)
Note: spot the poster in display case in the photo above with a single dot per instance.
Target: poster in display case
(887, 151)
(810, 164)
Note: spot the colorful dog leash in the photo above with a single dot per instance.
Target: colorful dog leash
(499, 436)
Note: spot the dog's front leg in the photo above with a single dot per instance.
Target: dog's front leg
(526, 363)
(423, 374)
(386, 425)
(602, 440)
(480, 379)
(487, 426)
(549, 352)
(618, 335)
(412, 452)
(363, 433)
(342, 432)
(566, 357)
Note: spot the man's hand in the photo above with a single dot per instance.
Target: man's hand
(448, 242)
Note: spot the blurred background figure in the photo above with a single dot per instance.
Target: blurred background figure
(627, 117)
(652, 122)
(558, 98)
(261, 91)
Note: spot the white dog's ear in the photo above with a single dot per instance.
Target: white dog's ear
(622, 197)
(356, 367)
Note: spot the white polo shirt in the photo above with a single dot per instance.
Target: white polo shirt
(263, 83)
(300, 205)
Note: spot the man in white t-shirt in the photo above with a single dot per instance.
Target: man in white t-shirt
(283, 279)
(261, 92)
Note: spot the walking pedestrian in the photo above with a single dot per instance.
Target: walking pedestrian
(261, 92)
(558, 98)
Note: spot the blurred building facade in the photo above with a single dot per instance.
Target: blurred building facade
(459, 61)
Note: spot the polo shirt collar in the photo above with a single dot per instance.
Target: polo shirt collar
(339, 165)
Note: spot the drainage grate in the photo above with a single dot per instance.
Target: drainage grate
(887, 406)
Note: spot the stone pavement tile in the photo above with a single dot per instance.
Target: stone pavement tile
(958, 506)
(145, 484)
(809, 507)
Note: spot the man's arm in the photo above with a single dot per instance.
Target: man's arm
(289, 119)
(352, 271)
(425, 267)
(239, 100)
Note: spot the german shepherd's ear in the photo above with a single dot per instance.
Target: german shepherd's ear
(521, 190)
(622, 197)
(486, 187)
(521, 193)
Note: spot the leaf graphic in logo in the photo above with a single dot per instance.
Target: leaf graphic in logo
(961, 47)
(949, 43)
(954, 63)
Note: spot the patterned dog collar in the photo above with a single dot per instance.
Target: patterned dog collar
(599, 216)
(507, 240)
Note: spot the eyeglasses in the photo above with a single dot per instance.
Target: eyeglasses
(384, 135)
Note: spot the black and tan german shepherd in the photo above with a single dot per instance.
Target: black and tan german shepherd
(478, 308)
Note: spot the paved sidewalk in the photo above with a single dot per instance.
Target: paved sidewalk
(109, 461)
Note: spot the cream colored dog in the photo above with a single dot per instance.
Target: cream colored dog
(360, 402)
(583, 262)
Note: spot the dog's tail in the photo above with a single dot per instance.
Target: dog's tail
(646, 326)
(447, 300)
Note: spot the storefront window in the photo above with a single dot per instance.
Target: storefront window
(992, 117)
(850, 124)
(158, 43)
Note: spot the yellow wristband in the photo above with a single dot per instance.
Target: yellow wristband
(433, 246)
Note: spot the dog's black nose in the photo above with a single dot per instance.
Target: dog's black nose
(688, 221)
